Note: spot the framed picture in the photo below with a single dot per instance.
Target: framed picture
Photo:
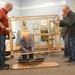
(44, 22)
(35, 26)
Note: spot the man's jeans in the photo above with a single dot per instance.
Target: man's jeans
(66, 46)
(2, 49)
(72, 49)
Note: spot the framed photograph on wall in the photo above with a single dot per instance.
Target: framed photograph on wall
(44, 22)
(35, 26)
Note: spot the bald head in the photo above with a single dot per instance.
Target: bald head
(66, 9)
(8, 6)
(26, 36)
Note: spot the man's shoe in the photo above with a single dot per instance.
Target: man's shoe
(68, 61)
(63, 57)
(73, 60)
(4, 67)
(6, 64)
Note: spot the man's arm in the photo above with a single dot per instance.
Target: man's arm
(68, 21)
(5, 28)
(61, 24)
(2, 26)
(22, 45)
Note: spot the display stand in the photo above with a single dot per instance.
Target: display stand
(34, 65)
(49, 46)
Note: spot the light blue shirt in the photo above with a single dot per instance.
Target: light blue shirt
(28, 44)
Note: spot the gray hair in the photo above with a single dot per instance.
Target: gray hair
(8, 4)
(66, 6)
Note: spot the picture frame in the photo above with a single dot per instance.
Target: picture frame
(35, 26)
(44, 22)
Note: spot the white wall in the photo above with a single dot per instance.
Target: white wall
(70, 3)
(34, 7)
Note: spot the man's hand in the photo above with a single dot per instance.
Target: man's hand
(8, 29)
(27, 51)
(58, 18)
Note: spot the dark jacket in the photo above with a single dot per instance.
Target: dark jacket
(64, 31)
(69, 21)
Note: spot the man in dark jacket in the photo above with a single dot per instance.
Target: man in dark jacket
(69, 21)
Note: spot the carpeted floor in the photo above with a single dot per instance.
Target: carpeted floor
(65, 68)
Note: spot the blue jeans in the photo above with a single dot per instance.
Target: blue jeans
(2, 49)
(72, 49)
(66, 46)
